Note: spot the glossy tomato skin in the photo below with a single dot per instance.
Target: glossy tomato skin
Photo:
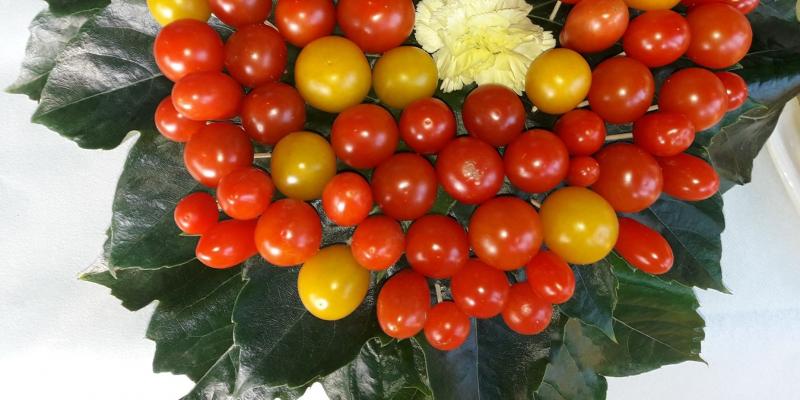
(378, 242)
(215, 151)
(593, 26)
(652, 4)
(331, 284)
(436, 246)
(302, 164)
(584, 171)
(524, 312)
(735, 88)
(447, 327)
(303, 21)
(403, 304)
(168, 11)
(245, 193)
(173, 125)
(364, 136)
(582, 131)
(479, 290)
(657, 38)
(255, 55)
(505, 232)
(273, 111)
(721, 35)
(427, 125)
(743, 6)
(663, 133)
(537, 161)
(470, 170)
(205, 96)
(403, 75)
(188, 46)
(196, 213)
(404, 186)
(550, 277)
(643, 247)
(630, 179)
(622, 90)
(696, 93)
(332, 74)
(288, 233)
(238, 13)
(494, 114)
(558, 80)
(347, 199)
(376, 25)
(688, 178)
(227, 244)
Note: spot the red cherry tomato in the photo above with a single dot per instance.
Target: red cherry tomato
(196, 213)
(479, 290)
(447, 327)
(663, 133)
(494, 114)
(470, 170)
(289, 232)
(525, 313)
(188, 46)
(378, 242)
(217, 150)
(245, 193)
(505, 232)
(427, 125)
(255, 55)
(696, 93)
(584, 171)
(550, 277)
(227, 244)
(173, 125)
(204, 96)
(657, 38)
(744, 6)
(273, 111)
(436, 246)
(347, 199)
(630, 179)
(721, 35)
(403, 304)
(238, 13)
(593, 26)
(582, 131)
(643, 247)
(303, 21)
(376, 25)
(688, 178)
(735, 88)
(537, 161)
(364, 136)
(622, 90)
(404, 186)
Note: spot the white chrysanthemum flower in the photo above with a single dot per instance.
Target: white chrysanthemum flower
(482, 41)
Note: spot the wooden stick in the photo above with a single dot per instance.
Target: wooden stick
(620, 136)
(555, 10)
(438, 292)
(258, 156)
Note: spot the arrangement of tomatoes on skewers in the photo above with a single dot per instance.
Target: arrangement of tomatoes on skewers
(587, 181)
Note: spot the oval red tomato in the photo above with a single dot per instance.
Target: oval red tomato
(663, 133)
(721, 35)
(238, 13)
(584, 171)
(207, 96)
(245, 193)
(188, 46)
(593, 26)
(550, 277)
(227, 244)
(643, 247)
(657, 38)
(735, 88)
(174, 125)
(688, 178)
(196, 213)
(696, 93)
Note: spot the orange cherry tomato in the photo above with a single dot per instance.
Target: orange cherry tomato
(593, 26)
(505, 232)
(479, 290)
(196, 213)
(378, 242)
(524, 312)
(288, 233)
(174, 125)
(188, 46)
(447, 327)
(550, 277)
(347, 199)
(403, 304)
(643, 247)
(735, 88)
(245, 193)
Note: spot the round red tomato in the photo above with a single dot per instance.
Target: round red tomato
(663, 133)
(447, 327)
(378, 242)
(582, 131)
(188, 46)
(584, 171)
(173, 125)
(376, 25)
(196, 213)
(537, 161)
(688, 178)
(696, 93)
(403, 304)
(227, 244)
(657, 38)
(735, 88)
(289, 232)
(364, 136)
(217, 150)
(744, 6)
(470, 170)
(245, 193)
(427, 125)
(524, 312)
(479, 290)
(593, 26)
(643, 247)
(238, 13)
(630, 179)
(273, 111)
(436, 246)
(550, 277)
(206, 96)
(505, 232)
(494, 114)
(721, 35)
(303, 21)
(404, 186)
(622, 90)
(255, 55)
(347, 199)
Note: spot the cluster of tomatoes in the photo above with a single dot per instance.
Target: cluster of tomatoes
(578, 223)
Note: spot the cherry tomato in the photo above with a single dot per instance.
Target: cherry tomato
(245, 193)
(688, 178)
(644, 248)
(579, 225)
(331, 284)
(302, 164)
(403, 75)
(479, 290)
(744, 6)
(525, 313)
(196, 213)
(436, 246)
(505, 232)
(238, 13)
(494, 114)
(735, 88)
(721, 35)
(696, 93)
(404, 186)
(550, 277)
(255, 55)
(630, 179)
(663, 133)
(657, 38)
(537, 161)
(584, 171)
(593, 26)
(167, 11)
(378, 242)
(217, 150)
(622, 90)
(558, 80)
(347, 199)
(173, 125)
(470, 170)
(364, 136)
(273, 111)
(427, 125)
(376, 25)
(227, 244)
(332, 74)
(303, 21)
(204, 96)
(289, 232)
(447, 327)
(652, 4)
(188, 46)
(582, 131)
(403, 304)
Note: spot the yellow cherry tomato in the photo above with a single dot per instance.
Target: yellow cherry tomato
(166, 11)
(558, 80)
(403, 75)
(332, 74)
(579, 225)
(652, 4)
(332, 284)
(302, 164)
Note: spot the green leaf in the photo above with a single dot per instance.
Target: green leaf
(595, 296)
(62, 7)
(567, 377)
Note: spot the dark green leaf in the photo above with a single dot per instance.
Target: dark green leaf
(595, 296)
(567, 377)
(62, 7)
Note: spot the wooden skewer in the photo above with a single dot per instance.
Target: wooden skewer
(438, 292)
(619, 136)
(259, 156)
(555, 10)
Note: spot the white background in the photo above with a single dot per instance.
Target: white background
(67, 339)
